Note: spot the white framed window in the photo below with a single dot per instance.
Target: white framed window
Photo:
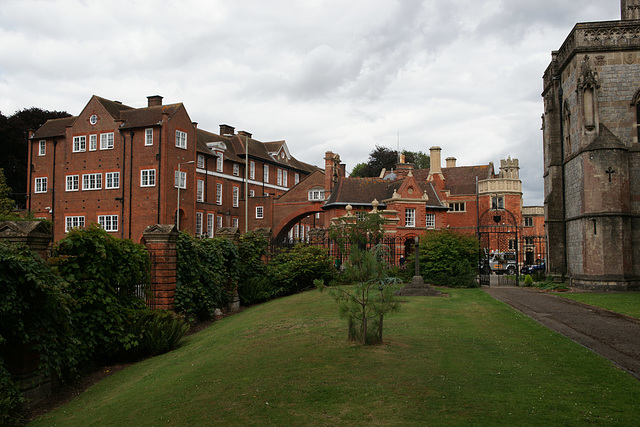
(296, 179)
(234, 222)
(279, 181)
(285, 178)
(200, 190)
(265, 174)
(218, 194)
(316, 194)
(220, 162)
(106, 141)
(259, 212)
(148, 136)
(210, 219)
(430, 220)
(181, 139)
(180, 180)
(41, 185)
(200, 161)
(42, 148)
(73, 222)
(108, 222)
(93, 142)
(92, 181)
(112, 180)
(252, 170)
(236, 169)
(457, 207)
(219, 222)
(296, 231)
(252, 193)
(79, 143)
(409, 217)
(148, 178)
(73, 182)
(198, 223)
(236, 197)
(528, 221)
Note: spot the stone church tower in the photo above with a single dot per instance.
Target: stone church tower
(591, 154)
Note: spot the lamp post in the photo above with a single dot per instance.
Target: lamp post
(185, 182)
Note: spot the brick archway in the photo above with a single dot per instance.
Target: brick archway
(280, 229)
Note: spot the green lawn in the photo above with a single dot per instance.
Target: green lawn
(463, 360)
(624, 302)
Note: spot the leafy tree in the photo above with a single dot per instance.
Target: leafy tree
(6, 203)
(207, 271)
(386, 158)
(449, 259)
(14, 132)
(104, 277)
(359, 171)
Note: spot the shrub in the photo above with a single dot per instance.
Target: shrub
(296, 269)
(207, 274)
(10, 398)
(155, 332)
(448, 259)
(528, 280)
(104, 274)
(258, 289)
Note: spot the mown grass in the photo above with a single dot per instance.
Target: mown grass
(624, 302)
(463, 360)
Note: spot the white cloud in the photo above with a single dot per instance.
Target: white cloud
(322, 74)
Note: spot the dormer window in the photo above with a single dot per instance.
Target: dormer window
(316, 194)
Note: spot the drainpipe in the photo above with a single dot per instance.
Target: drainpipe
(130, 178)
(124, 169)
(159, 174)
(53, 191)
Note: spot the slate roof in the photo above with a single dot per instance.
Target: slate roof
(362, 191)
(54, 127)
(460, 180)
(149, 116)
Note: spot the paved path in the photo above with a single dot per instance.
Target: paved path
(612, 335)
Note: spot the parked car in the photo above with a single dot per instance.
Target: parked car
(533, 269)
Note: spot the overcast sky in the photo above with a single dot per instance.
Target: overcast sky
(324, 75)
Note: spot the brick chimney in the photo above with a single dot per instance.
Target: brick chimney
(244, 133)
(451, 162)
(332, 171)
(154, 101)
(227, 130)
(435, 163)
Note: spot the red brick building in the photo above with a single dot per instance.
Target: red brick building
(453, 197)
(126, 168)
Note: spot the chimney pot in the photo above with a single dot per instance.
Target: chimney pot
(451, 162)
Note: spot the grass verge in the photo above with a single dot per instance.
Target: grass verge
(624, 302)
(463, 360)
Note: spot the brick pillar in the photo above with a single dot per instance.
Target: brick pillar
(160, 241)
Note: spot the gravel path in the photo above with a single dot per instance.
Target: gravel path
(614, 336)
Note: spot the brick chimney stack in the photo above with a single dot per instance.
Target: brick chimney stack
(451, 162)
(227, 130)
(154, 101)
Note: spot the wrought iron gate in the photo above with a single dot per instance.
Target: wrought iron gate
(498, 236)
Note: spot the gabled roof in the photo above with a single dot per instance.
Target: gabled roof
(113, 108)
(205, 137)
(54, 127)
(362, 191)
(460, 180)
(261, 150)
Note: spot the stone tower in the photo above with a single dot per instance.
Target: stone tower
(591, 154)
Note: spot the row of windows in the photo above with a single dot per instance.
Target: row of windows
(282, 174)
(410, 219)
(93, 181)
(107, 222)
(106, 142)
